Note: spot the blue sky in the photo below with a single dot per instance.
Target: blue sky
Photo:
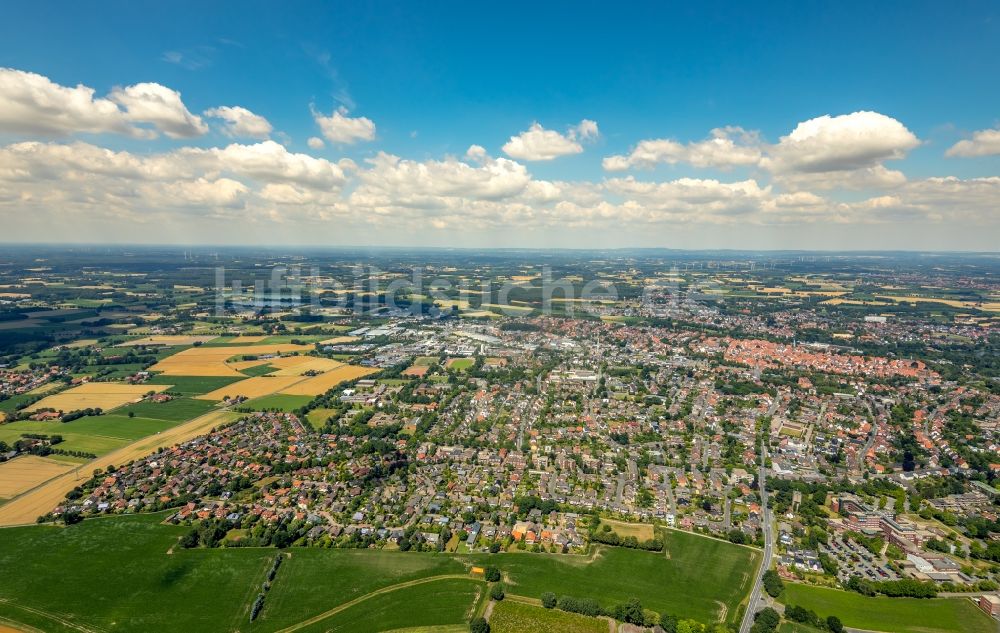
(437, 78)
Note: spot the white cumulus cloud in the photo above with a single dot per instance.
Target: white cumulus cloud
(342, 129)
(537, 143)
(841, 143)
(982, 143)
(240, 122)
(719, 151)
(160, 106)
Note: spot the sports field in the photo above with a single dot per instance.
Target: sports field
(104, 395)
(24, 473)
(517, 617)
(891, 615)
(41, 500)
(460, 364)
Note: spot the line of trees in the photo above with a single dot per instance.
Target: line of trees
(904, 588)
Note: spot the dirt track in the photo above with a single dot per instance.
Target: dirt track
(41, 500)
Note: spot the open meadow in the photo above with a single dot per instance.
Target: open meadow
(891, 615)
(134, 584)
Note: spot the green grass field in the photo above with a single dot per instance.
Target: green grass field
(114, 574)
(282, 402)
(518, 617)
(178, 409)
(318, 417)
(315, 580)
(193, 385)
(461, 364)
(441, 603)
(91, 434)
(893, 615)
(258, 370)
(699, 577)
(134, 585)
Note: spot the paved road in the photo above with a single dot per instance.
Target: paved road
(756, 601)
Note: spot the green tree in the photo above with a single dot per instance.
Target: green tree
(479, 625)
(549, 601)
(772, 583)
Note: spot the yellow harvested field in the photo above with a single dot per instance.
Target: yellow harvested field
(452, 303)
(24, 473)
(988, 307)
(252, 387)
(85, 342)
(105, 395)
(340, 339)
(43, 499)
(298, 365)
(211, 361)
(324, 382)
(852, 302)
(167, 339)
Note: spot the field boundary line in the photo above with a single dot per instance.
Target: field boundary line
(377, 592)
(51, 616)
(20, 626)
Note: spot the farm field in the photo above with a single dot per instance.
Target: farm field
(209, 360)
(177, 409)
(132, 584)
(105, 395)
(336, 340)
(252, 387)
(90, 434)
(517, 617)
(281, 402)
(297, 365)
(324, 382)
(124, 561)
(892, 615)
(167, 339)
(194, 385)
(29, 506)
(682, 582)
(444, 602)
(313, 581)
(24, 473)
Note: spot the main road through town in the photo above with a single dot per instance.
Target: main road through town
(756, 601)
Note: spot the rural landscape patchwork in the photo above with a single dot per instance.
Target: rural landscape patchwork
(451, 317)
